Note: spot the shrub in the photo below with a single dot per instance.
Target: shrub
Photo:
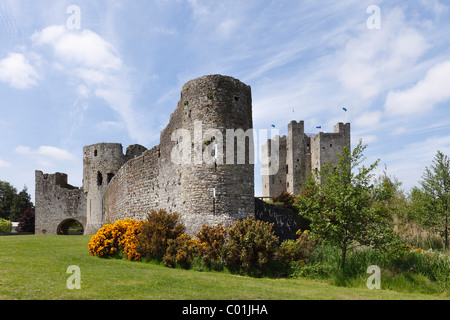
(434, 265)
(289, 251)
(211, 243)
(112, 239)
(180, 250)
(26, 221)
(285, 199)
(300, 250)
(129, 241)
(155, 232)
(5, 226)
(251, 246)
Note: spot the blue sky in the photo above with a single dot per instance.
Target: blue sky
(118, 77)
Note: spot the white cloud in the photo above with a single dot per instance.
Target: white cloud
(83, 91)
(94, 66)
(423, 96)
(17, 71)
(226, 28)
(375, 59)
(399, 130)
(368, 120)
(45, 155)
(107, 126)
(435, 6)
(408, 163)
(197, 8)
(5, 164)
(165, 31)
(367, 139)
(84, 48)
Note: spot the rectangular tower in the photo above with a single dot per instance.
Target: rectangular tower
(326, 147)
(274, 184)
(301, 154)
(298, 163)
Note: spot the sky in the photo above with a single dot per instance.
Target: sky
(75, 73)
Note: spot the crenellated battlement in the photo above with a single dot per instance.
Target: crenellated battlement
(300, 154)
(130, 185)
(202, 168)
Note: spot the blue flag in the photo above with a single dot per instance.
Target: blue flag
(345, 109)
(319, 127)
(273, 126)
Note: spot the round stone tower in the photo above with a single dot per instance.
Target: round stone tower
(100, 163)
(217, 184)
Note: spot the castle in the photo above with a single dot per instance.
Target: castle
(196, 170)
(299, 154)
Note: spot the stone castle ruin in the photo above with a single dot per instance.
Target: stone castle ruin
(299, 154)
(214, 182)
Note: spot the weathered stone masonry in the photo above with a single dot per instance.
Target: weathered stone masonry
(153, 181)
(58, 204)
(212, 184)
(300, 154)
(117, 185)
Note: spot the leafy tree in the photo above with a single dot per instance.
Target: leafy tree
(431, 203)
(26, 221)
(347, 209)
(7, 195)
(396, 199)
(21, 202)
(13, 204)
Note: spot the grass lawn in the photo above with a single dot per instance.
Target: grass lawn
(34, 267)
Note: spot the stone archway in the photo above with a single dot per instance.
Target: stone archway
(64, 227)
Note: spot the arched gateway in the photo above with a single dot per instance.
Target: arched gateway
(70, 227)
(58, 204)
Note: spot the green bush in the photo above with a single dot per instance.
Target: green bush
(5, 226)
(300, 250)
(156, 231)
(285, 199)
(251, 247)
(435, 266)
(180, 250)
(406, 270)
(211, 244)
(289, 251)
(26, 221)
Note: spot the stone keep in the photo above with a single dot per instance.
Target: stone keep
(301, 153)
(204, 189)
(213, 185)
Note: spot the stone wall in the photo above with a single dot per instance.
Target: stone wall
(327, 146)
(298, 159)
(158, 179)
(101, 162)
(275, 184)
(284, 220)
(300, 154)
(58, 204)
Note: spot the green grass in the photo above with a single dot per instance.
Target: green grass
(34, 267)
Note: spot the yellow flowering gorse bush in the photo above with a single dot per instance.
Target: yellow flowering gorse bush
(112, 238)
